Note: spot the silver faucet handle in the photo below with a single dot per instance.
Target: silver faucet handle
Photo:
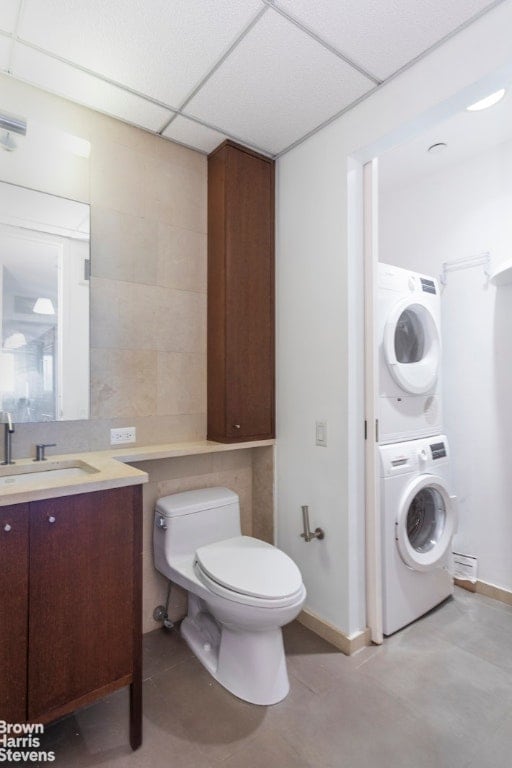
(40, 449)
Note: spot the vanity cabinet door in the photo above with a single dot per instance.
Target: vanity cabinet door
(83, 589)
(13, 611)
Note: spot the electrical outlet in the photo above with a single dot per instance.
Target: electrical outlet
(122, 435)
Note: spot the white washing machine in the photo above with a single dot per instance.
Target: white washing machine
(409, 339)
(419, 519)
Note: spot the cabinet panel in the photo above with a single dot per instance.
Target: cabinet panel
(13, 611)
(240, 295)
(82, 594)
(250, 299)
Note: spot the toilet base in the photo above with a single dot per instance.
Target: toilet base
(251, 665)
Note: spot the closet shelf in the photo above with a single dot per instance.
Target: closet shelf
(503, 275)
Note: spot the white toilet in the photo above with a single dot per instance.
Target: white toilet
(241, 591)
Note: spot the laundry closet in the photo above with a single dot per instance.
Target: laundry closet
(445, 212)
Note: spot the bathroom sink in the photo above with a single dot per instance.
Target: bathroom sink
(28, 475)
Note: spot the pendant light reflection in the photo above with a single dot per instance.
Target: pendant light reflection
(43, 307)
(15, 341)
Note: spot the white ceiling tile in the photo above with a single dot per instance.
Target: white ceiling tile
(9, 14)
(161, 48)
(277, 85)
(382, 35)
(56, 77)
(5, 50)
(193, 134)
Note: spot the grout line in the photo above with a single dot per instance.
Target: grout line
(308, 31)
(398, 72)
(221, 61)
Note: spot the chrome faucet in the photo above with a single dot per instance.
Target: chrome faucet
(8, 433)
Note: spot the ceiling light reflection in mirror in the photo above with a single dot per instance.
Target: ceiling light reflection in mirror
(44, 305)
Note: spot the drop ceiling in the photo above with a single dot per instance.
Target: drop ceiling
(266, 74)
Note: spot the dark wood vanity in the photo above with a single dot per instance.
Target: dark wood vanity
(70, 604)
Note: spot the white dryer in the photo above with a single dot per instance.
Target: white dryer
(419, 520)
(409, 339)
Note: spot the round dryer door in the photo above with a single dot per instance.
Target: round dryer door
(412, 347)
(426, 523)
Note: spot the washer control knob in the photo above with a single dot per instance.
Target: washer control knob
(411, 284)
(423, 456)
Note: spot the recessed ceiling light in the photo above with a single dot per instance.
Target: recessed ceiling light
(489, 101)
(440, 146)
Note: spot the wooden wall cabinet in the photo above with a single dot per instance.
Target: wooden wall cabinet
(240, 295)
(70, 605)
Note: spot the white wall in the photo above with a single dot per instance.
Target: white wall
(316, 271)
(457, 212)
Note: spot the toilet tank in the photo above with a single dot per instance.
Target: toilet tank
(188, 520)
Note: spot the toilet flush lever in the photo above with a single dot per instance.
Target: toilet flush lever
(161, 523)
(308, 535)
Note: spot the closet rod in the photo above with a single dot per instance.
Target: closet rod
(481, 259)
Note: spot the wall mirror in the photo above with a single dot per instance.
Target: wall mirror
(44, 305)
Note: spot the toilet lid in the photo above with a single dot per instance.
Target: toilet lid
(250, 567)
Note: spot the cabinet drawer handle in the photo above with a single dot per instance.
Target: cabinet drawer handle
(236, 426)
(51, 519)
(7, 527)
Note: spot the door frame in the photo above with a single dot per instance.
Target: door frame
(373, 529)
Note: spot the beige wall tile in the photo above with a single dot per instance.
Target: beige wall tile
(175, 194)
(119, 179)
(176, 468)
(181, 321)
(182, 261)
(125, 247)
(263, 493)
(123, 383)
(231, 460)
(181, 383)
(123, 315)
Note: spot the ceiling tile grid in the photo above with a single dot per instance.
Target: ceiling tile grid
(382, 35)
(64, 80)
(161, 48)
(193, 134)
(277, 85)
(264, 72)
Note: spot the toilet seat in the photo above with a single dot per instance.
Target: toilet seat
(249, 571)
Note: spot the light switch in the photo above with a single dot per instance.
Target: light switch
(321, 433)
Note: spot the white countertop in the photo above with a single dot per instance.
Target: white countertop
(102, 469)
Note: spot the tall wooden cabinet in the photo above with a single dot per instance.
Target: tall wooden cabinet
(240, 295)
(70, 604)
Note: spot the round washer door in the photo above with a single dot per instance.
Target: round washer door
(426, 523)
(412, 346)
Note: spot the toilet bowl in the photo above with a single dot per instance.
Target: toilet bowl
(241, 591)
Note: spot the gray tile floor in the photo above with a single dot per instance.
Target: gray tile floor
(438, 694)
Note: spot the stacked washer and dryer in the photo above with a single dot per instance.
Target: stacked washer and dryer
(418, 510)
